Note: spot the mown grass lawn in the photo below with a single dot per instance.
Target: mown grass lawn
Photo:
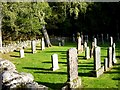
(39, 65)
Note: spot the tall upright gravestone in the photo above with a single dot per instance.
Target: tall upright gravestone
(73, 82)
(42, 44)
(109, 57)
(98, 69)
(114, 54)
(55, 65)
(33, 46)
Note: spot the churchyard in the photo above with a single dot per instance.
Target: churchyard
(91, 72)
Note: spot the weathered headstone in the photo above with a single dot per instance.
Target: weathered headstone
(87, 53)
(111, 41)
(98, 69)
(114, 54)
(33, 46)
(55, 65)
(73, 82)
(42, 44)
(22, 53)
(106, 64)
(109, 56)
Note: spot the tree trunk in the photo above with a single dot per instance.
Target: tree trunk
(0, 25)
(47, 40)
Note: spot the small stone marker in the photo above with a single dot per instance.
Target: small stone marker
(22, 53)
(42, 44)
(109, 57)
(98, 70)
(111, 41)
(73, 81)
(63, 42)
(114, 54)
(106, 64)
(55, 65)
(33, 46)
(87, 53)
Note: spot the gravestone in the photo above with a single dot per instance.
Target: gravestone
(114, 54)
(87, 53)
(62, 42)
(73, 82)
(109, 56)
(102, 39)
(95, 42)
(55, 65)
(59, 43)
(33, 46)
(79, 45)
(22, 53)
(106, 64)
(73, 37)
(42, 44)
(98, 69)
(86, 38)
(107, 37)
(82, 39)
(92, 49)
(111, 41)
(85, 45)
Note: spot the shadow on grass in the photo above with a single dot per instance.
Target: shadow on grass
(35, 68)
(85, 74)
(118, 78)
(52, 86)
(15, 56)
(85, 65)
(28, 52)
(52, 72)
(58, 62)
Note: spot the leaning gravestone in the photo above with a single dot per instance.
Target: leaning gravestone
(87, 53)
(73, 81)
(114, 54)
(33, 46)
(42, 44)
(109, 56)
(22, 53)
(55, 65)
(98, 70)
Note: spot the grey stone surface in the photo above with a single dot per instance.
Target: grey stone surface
(97, 58)
(22, 53)
(106, 64)
(109, 56)
(79, 44)
(87, 53)
(72, 69)
(33, 46)
(55, 65)
(114, 54)
(92, 49)
(42, 44)
(10, 78)
(95, 42)
(111, 41)
(85, 44)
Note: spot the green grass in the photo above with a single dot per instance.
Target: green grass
(39, 65)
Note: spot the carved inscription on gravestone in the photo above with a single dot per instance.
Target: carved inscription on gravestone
(72, 64)
(97, 62)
